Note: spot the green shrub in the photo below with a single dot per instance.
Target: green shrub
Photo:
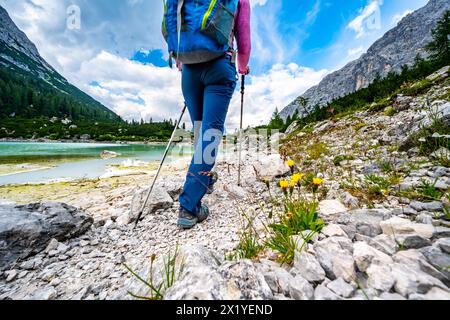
(317, 150)
(429, 190)
(389, 112)
(418, 88)
(168, 273)
(338, 159)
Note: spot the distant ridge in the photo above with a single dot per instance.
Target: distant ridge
(397, 47)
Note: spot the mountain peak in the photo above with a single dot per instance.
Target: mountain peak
(16, 39)
(398, 46)
(21, 63)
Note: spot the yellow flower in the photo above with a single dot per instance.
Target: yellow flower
(317, 181)
(290, 163)
(267, 182)
(297, 177)
(284, 184)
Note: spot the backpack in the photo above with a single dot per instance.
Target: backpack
(198, 31)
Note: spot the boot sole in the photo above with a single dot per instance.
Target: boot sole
(186, 223)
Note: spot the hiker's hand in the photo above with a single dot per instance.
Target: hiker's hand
(179, 65)
(245, 71)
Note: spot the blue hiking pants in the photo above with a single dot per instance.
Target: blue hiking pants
(207, 89)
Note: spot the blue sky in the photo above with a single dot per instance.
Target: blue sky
(119, 56)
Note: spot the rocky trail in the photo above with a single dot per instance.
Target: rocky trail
(385, 204)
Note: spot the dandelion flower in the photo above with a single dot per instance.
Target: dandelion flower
(284, 184)
(317, 181)
(297, 177)
(290, 163)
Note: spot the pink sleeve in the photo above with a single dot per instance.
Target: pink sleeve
(243, 36)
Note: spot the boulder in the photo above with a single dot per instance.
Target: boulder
(333, 230)
(440, 74)
(340, 287)
(278, 280)
(300, 289)
(271, 167)
(433, 206)
(417, 260)
(439, 259)
(308, 267)
(292, 127)
(331, 207)
(335, 256)
(350, 200)
(27, 230)
(398, 226)
(382, 242)
(402, 102)
(203, 278)
(159, 199)
(364, 221)
(409, 280)
(172, 184)
(323, 293)
(46, 293)
(435, 293)
(365, 255)
(444, 244)
(106, 154)
(85, 137)
(380, 277)
(412, 241)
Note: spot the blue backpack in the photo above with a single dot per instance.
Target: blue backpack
(198, 31)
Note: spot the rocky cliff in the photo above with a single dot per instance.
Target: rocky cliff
(20, 58)
(396, 48)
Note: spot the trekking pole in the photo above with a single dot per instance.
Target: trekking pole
(147, 197)
(240, 131)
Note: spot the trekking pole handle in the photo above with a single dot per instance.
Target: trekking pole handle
(243, 84)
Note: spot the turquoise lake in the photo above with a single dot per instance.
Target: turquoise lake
(75, 160)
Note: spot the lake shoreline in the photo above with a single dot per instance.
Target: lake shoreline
(43, 140)
(23, 163)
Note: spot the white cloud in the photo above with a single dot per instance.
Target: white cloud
(124, 83)
(311, 15)
(98, 53)
(258, 2)
(398, 17)
(277, 88)
(269, 45)
(369, 18)
(355, 52)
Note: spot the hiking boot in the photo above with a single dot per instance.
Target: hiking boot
(186, 220)
(214, 179)
(203, 213)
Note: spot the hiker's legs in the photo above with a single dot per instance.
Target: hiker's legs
(193, 90)
(219, 79)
